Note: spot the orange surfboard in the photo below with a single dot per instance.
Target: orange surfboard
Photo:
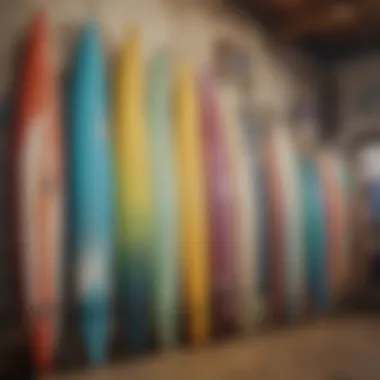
(37, 176)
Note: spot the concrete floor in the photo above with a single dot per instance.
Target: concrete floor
(334, 349)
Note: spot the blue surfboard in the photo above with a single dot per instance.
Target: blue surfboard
(373, 191)
(374, 200)
(90, 186)
(314, 234)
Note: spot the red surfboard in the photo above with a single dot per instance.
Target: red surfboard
(333, 220)
(276, 237)
(37, 180)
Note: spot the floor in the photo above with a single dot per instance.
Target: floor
(333, 349)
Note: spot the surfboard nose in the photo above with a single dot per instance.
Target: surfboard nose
(39, 27)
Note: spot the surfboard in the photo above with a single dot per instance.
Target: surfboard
(332, 210)
(353, 220)
(252, 140)
(91, 191)
(373, 194)
(37, 174)
(263, 224)
(373, 212)
(165, 237)
(276, 235)
(219, 207)
(343, 190)
(193, 224)
(374, 197)
(314, 234)
(361, 233)
(247, 301)
(260, 202)
(368, 197)
(135, 203)
(294, 259)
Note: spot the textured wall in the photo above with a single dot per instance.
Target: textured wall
(280, 77)
(359, 96)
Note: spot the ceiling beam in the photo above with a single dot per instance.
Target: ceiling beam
(330, 19)
(285, 6)
(281, 5)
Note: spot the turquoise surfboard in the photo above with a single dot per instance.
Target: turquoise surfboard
(314, 234)
(165, 234)
(91, 193)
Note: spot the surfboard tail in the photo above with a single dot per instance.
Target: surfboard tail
(42, 336)
(199, 327)
(95, 330)
(135, 284)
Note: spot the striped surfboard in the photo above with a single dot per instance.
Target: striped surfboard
(38, 190)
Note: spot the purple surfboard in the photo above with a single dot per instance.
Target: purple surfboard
(219, 207)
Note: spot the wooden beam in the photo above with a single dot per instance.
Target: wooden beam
(285, 6)
(320, 21)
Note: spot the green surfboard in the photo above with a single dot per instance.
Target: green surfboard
(165, 239)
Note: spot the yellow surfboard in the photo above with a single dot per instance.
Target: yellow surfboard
(134, 203)
(192, 198)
